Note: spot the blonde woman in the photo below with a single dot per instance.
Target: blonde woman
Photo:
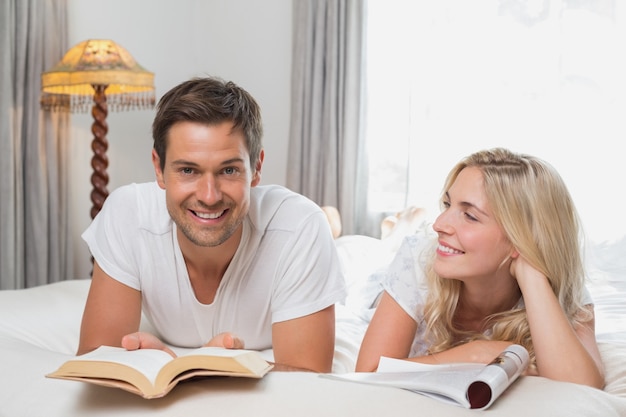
(505, 267)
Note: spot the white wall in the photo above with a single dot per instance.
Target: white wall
(245, 41)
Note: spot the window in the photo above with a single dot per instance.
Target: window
(447, 78)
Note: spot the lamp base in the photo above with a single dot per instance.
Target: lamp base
(99, 145)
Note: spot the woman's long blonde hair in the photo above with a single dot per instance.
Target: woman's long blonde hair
(533, 207)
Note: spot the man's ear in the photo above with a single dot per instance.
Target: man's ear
(156, 162)
(256, 176)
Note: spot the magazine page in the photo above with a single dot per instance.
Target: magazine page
(467, 385)
(447, 384)
(402, 365)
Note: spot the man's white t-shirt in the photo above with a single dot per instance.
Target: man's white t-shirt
(286, 265)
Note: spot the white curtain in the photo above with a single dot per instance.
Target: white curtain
(546, 77)
(34, 237)
(325, 150)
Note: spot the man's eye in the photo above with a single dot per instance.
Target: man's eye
(187, 171)
(230, 171)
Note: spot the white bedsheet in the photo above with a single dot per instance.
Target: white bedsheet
(39, 330)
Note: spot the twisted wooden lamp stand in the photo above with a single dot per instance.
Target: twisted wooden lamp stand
(99, 145)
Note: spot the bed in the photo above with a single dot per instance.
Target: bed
(39, 330)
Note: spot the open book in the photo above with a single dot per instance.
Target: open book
(152, 373)
(469, 385)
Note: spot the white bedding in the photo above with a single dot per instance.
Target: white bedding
(39, 330)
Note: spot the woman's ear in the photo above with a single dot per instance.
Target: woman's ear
(514, 254)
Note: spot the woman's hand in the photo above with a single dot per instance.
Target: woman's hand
(563, 352)
(143, 340)
(524, 272)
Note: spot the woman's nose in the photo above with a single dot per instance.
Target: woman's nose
(442, 223)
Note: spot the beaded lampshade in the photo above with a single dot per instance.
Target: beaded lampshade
(97, 74)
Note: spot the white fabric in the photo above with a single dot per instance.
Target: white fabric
(285, 267)
(405, 282)
(39, 330)
(360, 256)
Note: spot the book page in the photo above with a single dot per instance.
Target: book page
(215, 351)
(152, 373)
(216, 360)
(146, 361)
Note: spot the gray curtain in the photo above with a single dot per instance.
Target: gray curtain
(34, 234)
(326, 156)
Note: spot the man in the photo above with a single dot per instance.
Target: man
(211, 257)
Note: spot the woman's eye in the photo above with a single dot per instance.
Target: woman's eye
(470, 217)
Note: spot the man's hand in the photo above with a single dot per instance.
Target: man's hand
(143, 340)
(226, 340)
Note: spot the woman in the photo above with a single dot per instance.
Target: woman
(505, 268)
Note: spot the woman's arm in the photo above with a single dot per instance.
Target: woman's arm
(563, 353)
(390, 333)
(478, 351)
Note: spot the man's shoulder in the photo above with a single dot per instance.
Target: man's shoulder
(273, 197)
(275, 204)
(144, 195)
(272, 191)
(142, 190)
(142, 204)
